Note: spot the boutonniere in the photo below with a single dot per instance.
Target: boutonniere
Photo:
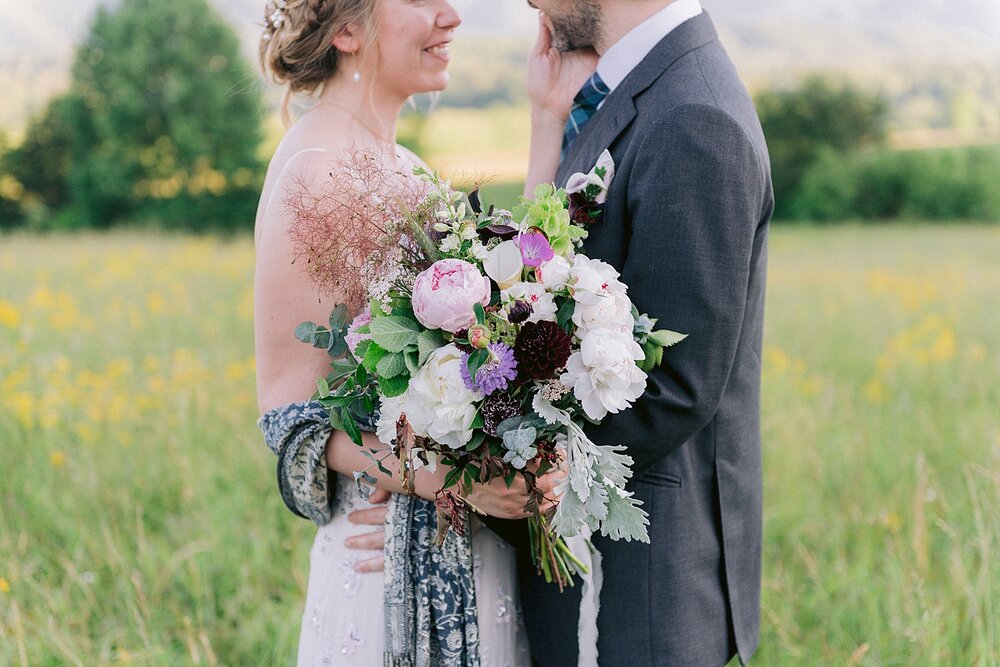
(588, 192)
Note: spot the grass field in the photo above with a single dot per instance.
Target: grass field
(140, 524)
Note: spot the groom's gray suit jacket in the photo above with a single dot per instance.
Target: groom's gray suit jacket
(686, 224)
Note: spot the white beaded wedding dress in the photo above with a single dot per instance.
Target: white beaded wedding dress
(344, 621)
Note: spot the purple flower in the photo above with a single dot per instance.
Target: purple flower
(497, 409)
(535, 248)
(496, 374)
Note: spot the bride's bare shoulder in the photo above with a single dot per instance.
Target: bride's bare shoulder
(296, 164)
(408, 156)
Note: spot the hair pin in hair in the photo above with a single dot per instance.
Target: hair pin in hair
(274, 12)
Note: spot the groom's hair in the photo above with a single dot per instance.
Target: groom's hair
(296, 48)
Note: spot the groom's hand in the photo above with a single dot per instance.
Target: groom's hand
(371, 542)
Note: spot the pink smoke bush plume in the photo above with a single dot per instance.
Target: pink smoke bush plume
(352, 227)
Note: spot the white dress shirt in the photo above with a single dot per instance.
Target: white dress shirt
(623, 56)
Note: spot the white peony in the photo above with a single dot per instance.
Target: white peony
(601, 299)
(389, 413)
(612, 312)
(438, 404)
(603, 373)
(543, 305)
(554, 273)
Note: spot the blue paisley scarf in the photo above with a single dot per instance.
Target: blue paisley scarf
(430, 598)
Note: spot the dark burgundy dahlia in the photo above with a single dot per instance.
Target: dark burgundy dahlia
(541, 349)
(498, 408)
(462, 341)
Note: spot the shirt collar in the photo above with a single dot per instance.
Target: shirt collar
(619, 60)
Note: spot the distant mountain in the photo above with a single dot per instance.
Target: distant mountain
(769, 39)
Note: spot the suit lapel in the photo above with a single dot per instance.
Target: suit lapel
(619, 110)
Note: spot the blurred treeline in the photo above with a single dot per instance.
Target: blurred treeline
(831, 161)
(163, 126)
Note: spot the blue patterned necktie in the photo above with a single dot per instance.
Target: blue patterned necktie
(584, 107)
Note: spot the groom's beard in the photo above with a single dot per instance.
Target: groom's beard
(579, 28)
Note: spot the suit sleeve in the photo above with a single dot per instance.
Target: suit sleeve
(694, 199)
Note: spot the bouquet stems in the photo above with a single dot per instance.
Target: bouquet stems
(551, 555)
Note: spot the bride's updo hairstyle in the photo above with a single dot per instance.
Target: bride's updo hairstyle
(296, 48)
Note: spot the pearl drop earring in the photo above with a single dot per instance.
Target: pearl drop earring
(357, 74)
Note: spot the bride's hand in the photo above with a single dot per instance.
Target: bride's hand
(496, 500)
(554, 77)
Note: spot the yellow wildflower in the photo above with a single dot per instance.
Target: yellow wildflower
(875, 391)
(10, 316)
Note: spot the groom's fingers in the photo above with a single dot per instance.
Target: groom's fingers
(370, 542)
(379, 496)
(544, 42)
(370, 517)
(376, 564)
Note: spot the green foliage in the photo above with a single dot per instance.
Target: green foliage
(945, 184)
(818, 116)
(56, 139)
(161, 125)
(11, 212)
(394, 333)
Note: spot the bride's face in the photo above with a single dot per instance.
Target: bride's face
(413, 39)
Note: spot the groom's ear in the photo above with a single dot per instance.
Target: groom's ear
(347, 39)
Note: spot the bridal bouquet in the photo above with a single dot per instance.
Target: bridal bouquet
(486, 344)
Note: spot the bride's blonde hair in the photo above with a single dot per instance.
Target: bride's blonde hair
(297, 49)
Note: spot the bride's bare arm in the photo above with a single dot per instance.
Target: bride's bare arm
(285, 296)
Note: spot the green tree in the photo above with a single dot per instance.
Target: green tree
(804, 123)
(11, 191)
(42, 163)
(169, 121)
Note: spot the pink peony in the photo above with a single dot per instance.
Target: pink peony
(444, 295)
(353, 338)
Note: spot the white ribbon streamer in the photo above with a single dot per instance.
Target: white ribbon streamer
(590, 600)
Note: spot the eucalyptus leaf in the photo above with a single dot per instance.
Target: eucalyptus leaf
(306, 332)
(310, 333)
(336, 345)
(338, 318)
